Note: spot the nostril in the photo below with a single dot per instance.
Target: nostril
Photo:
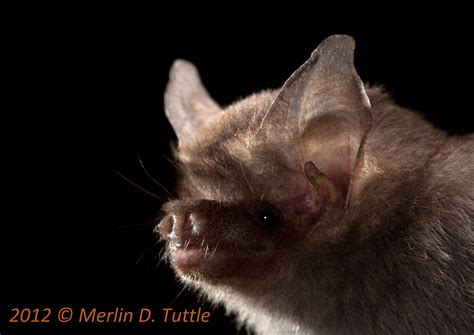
(169, 226)
(178, 229)
(191, 225)
(175, 234)
(165, 226)
(194, 224)
(187, 225)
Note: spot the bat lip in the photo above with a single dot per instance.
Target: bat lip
(206, 260)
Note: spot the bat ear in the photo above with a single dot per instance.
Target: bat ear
(188, 106)
(326, 103)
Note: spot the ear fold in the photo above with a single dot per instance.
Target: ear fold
(188, 106)
(326, 103)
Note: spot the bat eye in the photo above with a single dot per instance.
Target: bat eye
(267, 217)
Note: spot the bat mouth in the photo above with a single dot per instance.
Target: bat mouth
(196, 251)
(190, 260)
(218, 261)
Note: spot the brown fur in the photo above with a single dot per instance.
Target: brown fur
(400, 261)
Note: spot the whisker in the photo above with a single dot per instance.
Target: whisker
(172, 163)
(160, 256)
(140, 225)
(207, 250)
(139, 187)
(179, 294)
(187, 244)
(150, 176)
(147, 251)
(246, 180)
(214, 252)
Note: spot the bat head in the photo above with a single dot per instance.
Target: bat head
(269, 179)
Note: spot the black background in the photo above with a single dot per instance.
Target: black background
(85, 99)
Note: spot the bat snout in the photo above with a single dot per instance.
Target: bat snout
(215, 241)
(179, 229)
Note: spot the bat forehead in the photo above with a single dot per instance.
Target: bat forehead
(230, 161)
(242, 173)
(235, 124)
(230, 138)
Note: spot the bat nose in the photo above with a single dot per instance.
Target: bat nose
(178, 229)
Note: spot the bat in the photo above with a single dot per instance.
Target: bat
(322, 207)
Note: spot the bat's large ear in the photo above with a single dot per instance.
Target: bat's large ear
(326, 102)
(188, 106)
